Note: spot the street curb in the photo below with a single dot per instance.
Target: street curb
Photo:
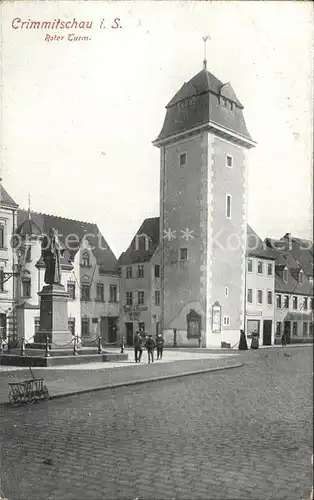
(138, 382)
(145, 381)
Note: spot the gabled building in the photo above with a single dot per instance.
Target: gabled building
(260, 289)
(140, 282)
(89, 274)
(204, 144)
(294, 294)
(8, 216)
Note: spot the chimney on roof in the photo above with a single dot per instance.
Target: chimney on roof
(287, 238)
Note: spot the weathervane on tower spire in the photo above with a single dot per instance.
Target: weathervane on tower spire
(205, 40)
(29, 205)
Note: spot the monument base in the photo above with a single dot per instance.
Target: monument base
(53, 318)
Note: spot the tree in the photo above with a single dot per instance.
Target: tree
(242, 343)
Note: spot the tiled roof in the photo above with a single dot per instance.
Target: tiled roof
(284, 258)
(206, 88)
(150, 227)
(78, 230)
(256, 247)
(302, 251)
(6, 199)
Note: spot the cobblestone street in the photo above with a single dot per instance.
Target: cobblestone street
(244, 433)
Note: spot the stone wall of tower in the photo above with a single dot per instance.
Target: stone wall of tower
(180, 216)
(193, 197)
(226, 239)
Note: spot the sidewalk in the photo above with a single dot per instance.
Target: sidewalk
(74, 379)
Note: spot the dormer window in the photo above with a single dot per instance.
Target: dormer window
(226, 103)
(141, 242)
(301, 277)
(85, 259)
(285, 275)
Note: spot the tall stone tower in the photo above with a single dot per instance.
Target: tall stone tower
(203, 198)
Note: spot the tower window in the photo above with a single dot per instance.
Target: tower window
(228, 206)
(182, 159)
(226, 291)
(226, 320)
(183, 253)
(250, 295)
(229, 161)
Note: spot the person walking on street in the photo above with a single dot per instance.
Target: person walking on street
(283, 340)
(150, 346)
(159, 345)
(138, 350)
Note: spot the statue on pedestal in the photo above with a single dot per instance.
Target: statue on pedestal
(52, 252)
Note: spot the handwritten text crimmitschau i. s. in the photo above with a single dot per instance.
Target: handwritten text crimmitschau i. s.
(62, 24)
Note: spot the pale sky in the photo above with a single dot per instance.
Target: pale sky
(79, 118)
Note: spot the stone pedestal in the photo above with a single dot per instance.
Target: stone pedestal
(53, 317)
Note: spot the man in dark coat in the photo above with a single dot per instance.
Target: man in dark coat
(150, 346)
(159, 345)
(138, 350)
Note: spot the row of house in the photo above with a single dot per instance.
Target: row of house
(198, 273)
(112, 297)
(89, 274)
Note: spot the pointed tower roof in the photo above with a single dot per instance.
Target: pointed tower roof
(204, 81)
(205, 102)
(5, 198)
(28, 228)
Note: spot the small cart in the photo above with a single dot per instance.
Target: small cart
(28, 391)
